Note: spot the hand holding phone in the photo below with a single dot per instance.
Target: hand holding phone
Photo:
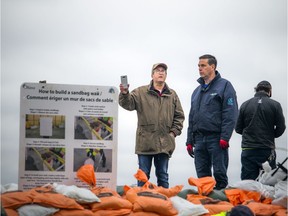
(124, 81)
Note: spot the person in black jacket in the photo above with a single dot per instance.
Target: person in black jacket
(260, 121)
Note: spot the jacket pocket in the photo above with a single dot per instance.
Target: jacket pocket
(145, 138)
(147, 128)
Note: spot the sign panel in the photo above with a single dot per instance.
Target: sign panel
(63, 127)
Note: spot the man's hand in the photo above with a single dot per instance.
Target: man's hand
(190, 150)
(224, 144)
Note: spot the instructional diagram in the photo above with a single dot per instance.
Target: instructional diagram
(63, 127)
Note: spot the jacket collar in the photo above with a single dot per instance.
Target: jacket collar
(261, 94)
(202, 82)
(166, 89)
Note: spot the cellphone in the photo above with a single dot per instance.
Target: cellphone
(124, 81)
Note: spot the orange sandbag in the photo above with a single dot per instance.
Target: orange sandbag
(143, 214)
(212, 205)
(169, 192)
(15, 200)
(281, 212)
(239, 196)
(86, 174)
(141, 176)
(131, 194)
(11, 212)
(125, 189)
(52, 199)
(74, 212)
(149, 201)
(110, 201)
(205, 184)
(119, 212)
(196, 198)
(44, 196)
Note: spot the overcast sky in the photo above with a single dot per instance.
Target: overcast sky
(93, 42)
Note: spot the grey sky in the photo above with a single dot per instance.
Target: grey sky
(93, 42)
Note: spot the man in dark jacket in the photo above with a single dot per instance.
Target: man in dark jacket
(212, 118)
(260, 121)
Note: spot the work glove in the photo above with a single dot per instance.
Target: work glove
(223, 144)
(190, 150)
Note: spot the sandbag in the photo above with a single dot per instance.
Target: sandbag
(205, 184)
(252, 185)
(119, 212)
(9, 212)
(9, 188)
(186, 208)
(271, 177)
(36, 210)
(86, 174)
(141, 176)
(111, 202)
(81, 195)
(49, 198)
(169, 192)
(74, 212)
(280, 189)
(239, 196)
(218, 194)
(149, 201)
(14, 200)
(143, 214)
(282, 201)
(183, 193)
(214, 206)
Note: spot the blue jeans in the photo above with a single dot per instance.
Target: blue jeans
(161, 168)
(208, 154)
(252, 159)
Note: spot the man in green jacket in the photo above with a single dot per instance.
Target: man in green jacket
(160, 120)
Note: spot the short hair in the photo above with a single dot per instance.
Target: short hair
(211, 59)
(263, 86)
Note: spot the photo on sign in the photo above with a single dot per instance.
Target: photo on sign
(101, 159)
(93, 128)
(44, 159)
(45, 126)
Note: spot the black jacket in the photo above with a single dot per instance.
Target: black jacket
(260, 121)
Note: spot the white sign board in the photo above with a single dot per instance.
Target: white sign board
(63, 127)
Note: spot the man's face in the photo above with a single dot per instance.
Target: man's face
(206, 70)
(159, 74)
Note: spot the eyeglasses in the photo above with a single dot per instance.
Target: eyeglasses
(160, 70)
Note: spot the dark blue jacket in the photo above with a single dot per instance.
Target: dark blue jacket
(214, 109)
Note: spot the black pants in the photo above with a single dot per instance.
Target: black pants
(252, 160)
